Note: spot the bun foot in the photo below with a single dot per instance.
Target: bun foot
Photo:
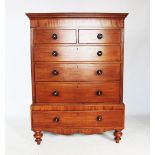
(117, 135)
(38, 135)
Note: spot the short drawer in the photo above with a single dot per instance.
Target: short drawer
(54, 36)
(77, 92)
(77, 119)
(76, 72)
(111, 36)
(80, 53)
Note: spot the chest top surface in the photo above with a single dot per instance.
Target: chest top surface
(73, 14)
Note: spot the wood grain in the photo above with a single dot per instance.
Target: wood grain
(63, 36)
(77, 119)
(77, 23)
(77, 92)
(90, 36)
(77, 53)
(76, 72)
(74, 106)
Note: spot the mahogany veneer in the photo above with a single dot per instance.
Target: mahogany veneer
(103, 53)
(83, 92)
(63, 36)
(111, 36)
(77, 73)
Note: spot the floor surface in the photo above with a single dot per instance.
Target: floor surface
(135, 140)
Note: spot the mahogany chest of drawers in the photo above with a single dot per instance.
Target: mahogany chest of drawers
(77, 73)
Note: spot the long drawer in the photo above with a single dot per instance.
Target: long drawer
(77, 53)
(77, 119)
(77, 92)
(76, 72)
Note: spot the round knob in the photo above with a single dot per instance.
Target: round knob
(55, 53)
(99, 53)
(99, 118)
(100, 36)
(99, 72)
(56, 119)
(99, 93)
(54, 36)
(55, 93)
(55, 72)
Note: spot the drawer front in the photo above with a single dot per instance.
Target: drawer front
(54, 36)
(100, 36)
(77, 119)
(77, 92)
(76, 72)
(79, 53)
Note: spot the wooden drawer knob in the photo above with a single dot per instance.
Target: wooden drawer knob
(55, 93)
(99, 72)
(56, 119)
(99, 93)
(99, 118)
(100, 36)
(55, 72)
(99, 53)
(54, 53)
(54, 36)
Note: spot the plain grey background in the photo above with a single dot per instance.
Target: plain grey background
(18, 73)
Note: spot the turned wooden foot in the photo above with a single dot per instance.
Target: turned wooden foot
(117, 135)
(37, 135)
